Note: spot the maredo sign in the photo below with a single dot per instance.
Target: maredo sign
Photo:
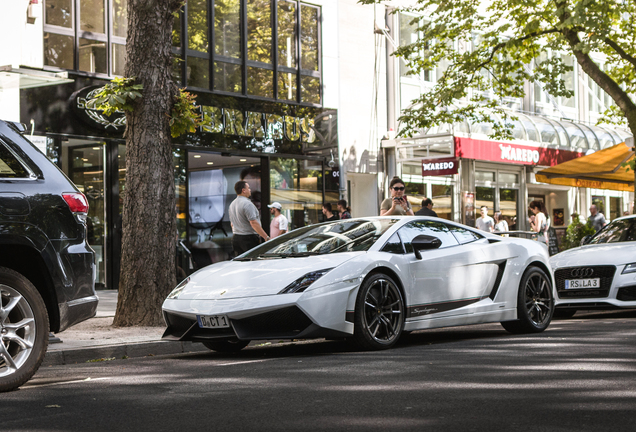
(438, 167)
(512, 153)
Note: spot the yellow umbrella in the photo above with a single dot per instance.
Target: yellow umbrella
(600, 170)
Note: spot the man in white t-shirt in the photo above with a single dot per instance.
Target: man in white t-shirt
(485, 222)
(279, 223)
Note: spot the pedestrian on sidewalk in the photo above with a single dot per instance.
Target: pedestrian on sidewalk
(328, 212)
(279, 223)
(398, 204)
(244, 217)
(427, 208)
(345, 212)
(485, 222)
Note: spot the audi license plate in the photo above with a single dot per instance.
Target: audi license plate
(213, 321)
(582, 283)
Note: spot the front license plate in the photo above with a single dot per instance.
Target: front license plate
(213, 321)
(582, 283)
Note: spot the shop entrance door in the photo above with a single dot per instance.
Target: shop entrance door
(498, 189)
(85, 161)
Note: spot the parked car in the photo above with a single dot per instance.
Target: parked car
(367, 279)
(47, 274)
(601, 274)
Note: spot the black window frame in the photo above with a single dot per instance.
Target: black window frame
(182, 53)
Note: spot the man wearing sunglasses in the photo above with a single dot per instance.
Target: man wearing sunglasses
(398, 204)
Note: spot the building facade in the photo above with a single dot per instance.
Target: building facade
(256, 67)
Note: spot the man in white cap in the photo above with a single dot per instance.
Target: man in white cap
(279, 223)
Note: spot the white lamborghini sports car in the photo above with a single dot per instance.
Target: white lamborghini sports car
(367, 279)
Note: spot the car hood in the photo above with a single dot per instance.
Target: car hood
(237, 279)
(596, 254)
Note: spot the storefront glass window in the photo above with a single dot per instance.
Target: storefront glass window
(198, 25)
(227, 28)
(310, 89)
(211, 179)
(91, 16)
(599, 202)
(120, 17)
(287, 33)
(259, 31)
(485, 196)
(119, 59)
(59, 13)
(442, 196)
(198, 70)
(616, 209)
(287, 86)
(92, 56)
(86, 170)
(485, 176)
(59, 50)
(309, 37)
(228, 77)
(260, 82)
(297, 185)
(508, 206)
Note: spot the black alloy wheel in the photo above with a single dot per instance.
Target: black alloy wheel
(24, 329)
(379, 318)
(535, 303)
(226, 345)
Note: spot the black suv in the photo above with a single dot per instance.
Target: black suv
(47, 271)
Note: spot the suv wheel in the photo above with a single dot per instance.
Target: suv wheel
(24, 326)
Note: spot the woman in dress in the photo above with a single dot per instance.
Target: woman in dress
(541, 223)
(397, 205)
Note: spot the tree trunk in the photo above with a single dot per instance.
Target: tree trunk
(149, 214)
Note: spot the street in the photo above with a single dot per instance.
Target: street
(579, 375)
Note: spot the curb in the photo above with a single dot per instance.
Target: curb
(130, 350)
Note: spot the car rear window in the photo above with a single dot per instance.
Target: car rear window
(10, 167)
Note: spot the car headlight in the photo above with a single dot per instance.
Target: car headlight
(301, 284)
(179, 288)
(629, 268)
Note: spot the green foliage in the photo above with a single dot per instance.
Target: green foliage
(118, 95)
(485, 52)
(184, 117)
(575, 233)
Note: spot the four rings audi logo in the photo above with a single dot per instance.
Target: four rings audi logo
(582, 272)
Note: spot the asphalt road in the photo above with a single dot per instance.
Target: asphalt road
(579, 375)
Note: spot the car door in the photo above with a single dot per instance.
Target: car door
(449, 278)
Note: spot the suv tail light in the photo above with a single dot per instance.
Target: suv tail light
(76, 201)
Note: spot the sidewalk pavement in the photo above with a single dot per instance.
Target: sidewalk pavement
(95, 339)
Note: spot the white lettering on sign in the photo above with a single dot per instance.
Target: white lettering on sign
(519, 155)
(436, 166)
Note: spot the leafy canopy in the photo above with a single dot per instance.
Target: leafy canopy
(492, 47)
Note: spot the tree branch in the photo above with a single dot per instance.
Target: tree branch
(621, 52)
(503, 44)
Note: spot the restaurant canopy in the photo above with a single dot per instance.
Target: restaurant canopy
(602, 169)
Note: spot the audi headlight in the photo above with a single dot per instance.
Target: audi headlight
(179, 288)
(629, 268)
(301, 284)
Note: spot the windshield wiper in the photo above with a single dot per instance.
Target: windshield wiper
(304, 254)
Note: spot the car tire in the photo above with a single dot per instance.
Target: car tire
(226, 345)
(535, 303)
(380, 312)
(24, 329)
(564, 313)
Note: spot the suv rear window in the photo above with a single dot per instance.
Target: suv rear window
(10, 167)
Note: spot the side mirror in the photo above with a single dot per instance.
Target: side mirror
(424, 242)
(585, 240)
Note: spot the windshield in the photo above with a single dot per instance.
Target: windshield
(339, 236)
(622, 230)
